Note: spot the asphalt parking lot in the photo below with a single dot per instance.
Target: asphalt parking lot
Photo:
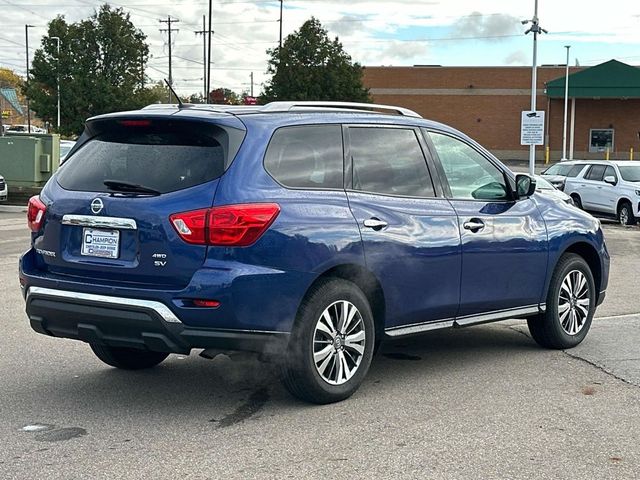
(482, 402)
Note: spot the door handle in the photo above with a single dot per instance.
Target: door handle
(475, 225)
(375, 223)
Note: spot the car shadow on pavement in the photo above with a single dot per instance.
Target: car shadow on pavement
(229, 389)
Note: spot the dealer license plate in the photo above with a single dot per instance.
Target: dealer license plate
(100, 243)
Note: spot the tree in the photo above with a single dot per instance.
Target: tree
(310, 66)
(101, 69)
(9, 79)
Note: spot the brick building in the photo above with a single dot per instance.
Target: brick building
(486, 103)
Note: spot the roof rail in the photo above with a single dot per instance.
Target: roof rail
(288, 106)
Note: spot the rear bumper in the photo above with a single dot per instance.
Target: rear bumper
(134, 323)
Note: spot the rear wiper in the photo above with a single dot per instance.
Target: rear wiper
(129, 187)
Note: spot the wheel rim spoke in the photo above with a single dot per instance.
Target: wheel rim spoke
(339, 342)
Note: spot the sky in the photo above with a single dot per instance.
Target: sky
(373, 32)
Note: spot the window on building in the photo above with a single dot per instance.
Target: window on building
(601, 139)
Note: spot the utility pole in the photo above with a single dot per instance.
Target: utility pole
(204, 32)
(252, 84)
(280, 43)
(536, 29)
(566, 108)
(209, 33)
(26, 37)
(169, 21)
(57, 39)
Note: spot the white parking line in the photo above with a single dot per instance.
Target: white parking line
(613, 317)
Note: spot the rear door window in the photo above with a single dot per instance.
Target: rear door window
(307, 157)
(596, 173)
(161, 155)
(389, 161)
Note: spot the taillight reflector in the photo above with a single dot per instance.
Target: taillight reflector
(206, 303)
(35, 213)
(229, 225)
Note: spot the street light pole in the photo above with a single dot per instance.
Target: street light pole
(26, 38)
(280, 43)
(57, 39)
(535, 29)
(566, 108)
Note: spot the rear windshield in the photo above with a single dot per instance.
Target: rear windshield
(161, 155)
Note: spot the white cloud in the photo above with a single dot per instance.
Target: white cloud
(244, 30)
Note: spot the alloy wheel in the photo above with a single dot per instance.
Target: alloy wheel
(339, 342)
(624, 216)
(574, 301)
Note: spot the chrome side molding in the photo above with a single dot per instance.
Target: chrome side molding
(100, 222)
(466, 320)
(160, 308)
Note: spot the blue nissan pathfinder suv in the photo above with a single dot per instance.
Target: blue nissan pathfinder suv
(308, 232)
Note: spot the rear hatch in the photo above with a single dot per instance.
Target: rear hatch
(108, 206)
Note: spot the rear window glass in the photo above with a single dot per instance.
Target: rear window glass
(306, 156)
(163, 156)
(575, 171)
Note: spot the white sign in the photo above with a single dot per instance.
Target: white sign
(532, 128)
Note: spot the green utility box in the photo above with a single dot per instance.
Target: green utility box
(29, 160)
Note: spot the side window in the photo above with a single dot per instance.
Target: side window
(389, 161)
(596, 172)
(575, 171)
(306, 156)
(610, 172)
(470, 174)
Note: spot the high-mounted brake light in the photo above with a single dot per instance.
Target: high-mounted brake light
(135, 123)
(35, 213)
(228, 226)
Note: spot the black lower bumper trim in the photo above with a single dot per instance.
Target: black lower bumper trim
(139, 327)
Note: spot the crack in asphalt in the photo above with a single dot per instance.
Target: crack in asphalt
(593, 364)
(602, 368)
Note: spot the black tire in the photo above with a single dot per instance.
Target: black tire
(576, 201)
(547, 328)
(625, 214)
(128, 358)
(299, 373)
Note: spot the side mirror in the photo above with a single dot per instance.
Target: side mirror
(525, 186)
(610, 179)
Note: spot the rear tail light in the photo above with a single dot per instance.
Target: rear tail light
(35, 213)
(229, 226)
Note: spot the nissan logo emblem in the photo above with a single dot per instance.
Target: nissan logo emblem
(97, 205)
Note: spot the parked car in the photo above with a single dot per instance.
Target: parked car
(25, 129)
(65, 148)
(4, 189)
(608, 188)
(543, 186)
(558, 173)
(308, 232)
